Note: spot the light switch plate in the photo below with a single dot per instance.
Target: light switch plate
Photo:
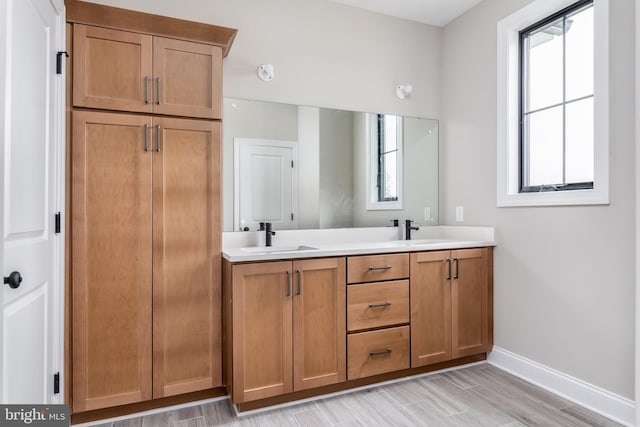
(459, 213)
(427, 214)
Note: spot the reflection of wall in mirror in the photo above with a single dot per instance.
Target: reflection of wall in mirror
(331, 191)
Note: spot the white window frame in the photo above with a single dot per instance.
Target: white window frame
(508, 182)
(372, 203)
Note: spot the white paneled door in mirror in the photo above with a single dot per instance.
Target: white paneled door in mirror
(265, 184)
(32, 170)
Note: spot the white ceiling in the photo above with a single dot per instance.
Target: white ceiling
(432, 12)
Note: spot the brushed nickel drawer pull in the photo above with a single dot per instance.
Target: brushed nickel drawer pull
(382, 305)
(386, 267)
(146, 89)
(158, 88)
(146, 137)
(158, 138)
(387, 352)
(288, 273)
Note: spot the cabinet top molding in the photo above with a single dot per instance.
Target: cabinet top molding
(123, 19)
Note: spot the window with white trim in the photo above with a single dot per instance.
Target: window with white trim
(553, 104)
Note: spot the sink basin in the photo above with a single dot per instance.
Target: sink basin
(277, 249)
(423, 242)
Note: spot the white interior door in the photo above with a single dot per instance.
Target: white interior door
(264, 184)
(31, 144)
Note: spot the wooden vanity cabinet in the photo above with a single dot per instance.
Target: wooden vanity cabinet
(288, 326)
(450, 304)
(127, 71)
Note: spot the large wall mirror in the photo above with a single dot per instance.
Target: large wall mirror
(304, 167)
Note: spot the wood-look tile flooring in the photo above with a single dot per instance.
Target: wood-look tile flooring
(480, 395)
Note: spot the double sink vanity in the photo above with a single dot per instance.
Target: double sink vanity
(321, 311)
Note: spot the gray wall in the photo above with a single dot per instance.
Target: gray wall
(564, 276)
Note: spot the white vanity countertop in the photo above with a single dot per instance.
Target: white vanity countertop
(295, 244)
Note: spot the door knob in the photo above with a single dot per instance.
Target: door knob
(13, 280)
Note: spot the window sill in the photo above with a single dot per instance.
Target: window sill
(555, 198)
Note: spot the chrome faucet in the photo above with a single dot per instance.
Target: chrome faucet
(407, 229)
(268, 233)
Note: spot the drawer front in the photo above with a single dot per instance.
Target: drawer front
(371, 305)
(377, 352)
(373, 268)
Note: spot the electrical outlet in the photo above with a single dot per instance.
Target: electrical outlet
(459, 213)
(427, 214)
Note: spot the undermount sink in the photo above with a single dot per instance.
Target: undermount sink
(423, 242)
(277, 249)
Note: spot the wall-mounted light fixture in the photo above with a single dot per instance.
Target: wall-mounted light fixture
(265, 72)
(403, 91)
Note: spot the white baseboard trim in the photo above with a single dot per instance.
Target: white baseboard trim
(592, 397)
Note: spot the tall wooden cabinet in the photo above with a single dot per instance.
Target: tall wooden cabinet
(186, 256)
(289, 326)
(146, 217)
(450, 305)
(111, 260)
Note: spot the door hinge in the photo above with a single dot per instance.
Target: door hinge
(292, 216)
(56, 383)
(291, 163)
(59, 60)
(57, 222)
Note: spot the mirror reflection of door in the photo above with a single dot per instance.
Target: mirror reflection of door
(265, 184)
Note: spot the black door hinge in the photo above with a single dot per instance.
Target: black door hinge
(57, 225)
(56, 383)
(59, 60)
(291, 163)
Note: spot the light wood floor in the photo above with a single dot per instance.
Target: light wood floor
(480, 395)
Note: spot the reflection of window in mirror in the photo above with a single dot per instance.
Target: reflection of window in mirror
(384, 165)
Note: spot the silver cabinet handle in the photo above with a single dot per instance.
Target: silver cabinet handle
(299, 291)
(449, 268)
(387, 352)
(146, 89)
(288, 273)
(456, 275)
(386, 267)
(158, 90)
(146, 137)
(384, 304)
(158, 138)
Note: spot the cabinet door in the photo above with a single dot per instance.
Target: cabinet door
(262, 333)
(469, 302)
(187, 78)
(187, 330)
(319, 323)
(430, 291)
(111, 259)
(111, 69)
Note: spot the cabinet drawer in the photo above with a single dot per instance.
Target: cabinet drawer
(377, 352)
(373, 268)
(372, 305)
